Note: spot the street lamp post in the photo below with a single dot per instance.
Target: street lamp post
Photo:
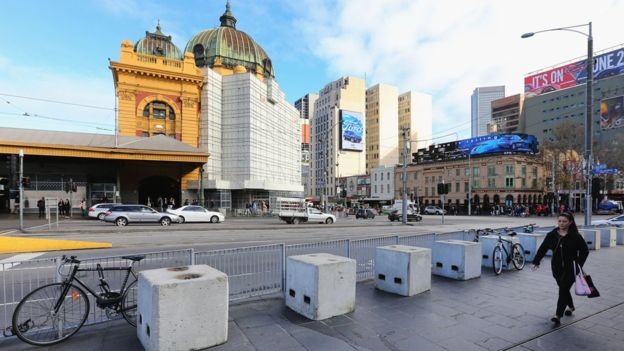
(589, 112)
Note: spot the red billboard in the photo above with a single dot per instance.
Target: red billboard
(606, 65)
(554, 79)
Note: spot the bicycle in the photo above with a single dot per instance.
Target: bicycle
(53, 313)
(516, 257)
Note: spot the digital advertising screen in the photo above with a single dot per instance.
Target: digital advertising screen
(499, 143)
(351, 130)
(612, 113)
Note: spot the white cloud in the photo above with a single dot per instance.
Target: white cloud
(37, 82)
(447, 48)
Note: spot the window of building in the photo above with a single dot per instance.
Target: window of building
(457, 187)
(457, 172)
(509, 182)
(475, 183)
(467, 172)
(415, 176)
(426, 191)
(466, 186)
(523, 182)
(491, 182)
(381, 177)
(439, 179)
(448, 173)
(388, 187)
(509, 169)
(491, 171)
(534, 171)
(426, 180)
(523, 170)
(476, 171)
(534, 183)
(159, 110)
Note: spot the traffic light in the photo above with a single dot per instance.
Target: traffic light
(443, 189)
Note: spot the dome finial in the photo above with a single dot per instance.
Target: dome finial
(227, 20)
(158, 28)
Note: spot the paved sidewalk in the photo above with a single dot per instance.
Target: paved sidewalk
(506, 312)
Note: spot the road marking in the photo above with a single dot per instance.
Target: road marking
(13, 261)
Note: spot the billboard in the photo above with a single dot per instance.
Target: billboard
(612, 113)
(499, 143)
(605, 65)
(351, 130)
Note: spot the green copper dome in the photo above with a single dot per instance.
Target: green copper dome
(232, 47)
(158, 44)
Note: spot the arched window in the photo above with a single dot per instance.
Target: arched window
(159, 110)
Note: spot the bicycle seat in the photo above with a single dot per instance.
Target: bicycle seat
(135, 258)
(512, 234)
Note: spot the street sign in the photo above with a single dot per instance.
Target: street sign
(606, 171)
(597, 167)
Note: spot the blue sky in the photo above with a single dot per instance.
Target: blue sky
(59, 50)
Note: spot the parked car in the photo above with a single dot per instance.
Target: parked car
(396, 215)
(365, 213)
(434, 210)
(196, 214)
(352, 136)
(98, 210)
(122, 215)
(617, 221)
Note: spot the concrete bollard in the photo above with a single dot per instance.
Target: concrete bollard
(488, 243)
(320, 286)
(592, 238)
(183, 308)
(620, 236)
(403, 270)
(531, 243)
(608, 236)
(457, 259)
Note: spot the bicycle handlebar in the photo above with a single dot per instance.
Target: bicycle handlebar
(71, 259)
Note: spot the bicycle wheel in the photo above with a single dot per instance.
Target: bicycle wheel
(517, 256)
(497, 260)
(35, 322)
(129, 304)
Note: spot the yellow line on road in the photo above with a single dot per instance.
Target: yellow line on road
(10, 244)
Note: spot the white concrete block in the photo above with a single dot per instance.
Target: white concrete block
(183, 308)
(530, 243)
(403, 270)
(592, 238)
(320, 286)
(457, 259)
(488, 242)
(620, 236)
(608, 236)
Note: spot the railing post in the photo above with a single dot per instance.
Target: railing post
(58, 277)
(283, 251)
(348, 248)
(396, 240)
(192, 256)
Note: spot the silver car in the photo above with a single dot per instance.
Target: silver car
(98, 210)
(122, 215)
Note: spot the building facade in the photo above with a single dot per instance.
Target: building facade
(415, 113)
(382, 184)
(305, 106)
(502, 179)
(506, 114)
(330, 159)
(481, 108)
(382, 122)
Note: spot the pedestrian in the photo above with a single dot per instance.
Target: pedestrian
(211, 204)
(569, 248)
(67, 206)
(83, 207)
(41, 207)
(171, 203)
(149, 202)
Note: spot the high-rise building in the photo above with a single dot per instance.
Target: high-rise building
(481, 108)
(382, 122)
(305, 106)
(415, 113)
(338, 147)
(506, 114)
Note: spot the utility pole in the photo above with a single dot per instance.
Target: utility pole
(554, 187)
(443, 199)
(588, 127)
(71, 193)
(469, 184)
(21, 190)
(406, 142)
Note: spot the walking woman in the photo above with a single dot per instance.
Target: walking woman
(569, 248)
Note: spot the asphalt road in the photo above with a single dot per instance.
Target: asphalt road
(239, 232)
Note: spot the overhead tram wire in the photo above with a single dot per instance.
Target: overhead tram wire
(58, 102)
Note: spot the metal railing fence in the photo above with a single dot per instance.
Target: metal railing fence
(252, 271)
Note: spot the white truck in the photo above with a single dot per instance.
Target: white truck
(295, 211)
